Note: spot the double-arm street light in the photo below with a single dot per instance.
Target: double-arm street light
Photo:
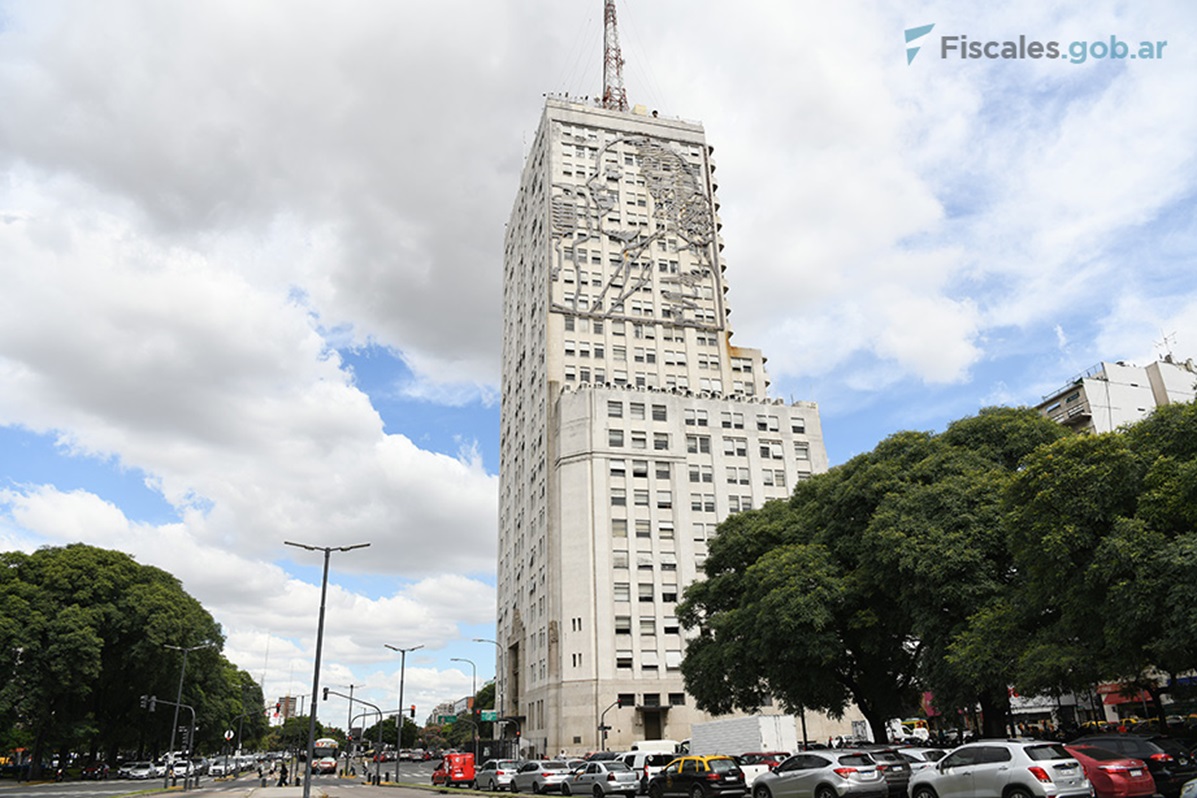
(399, 720)
(179, 696)
(473, 697)
(328, 550)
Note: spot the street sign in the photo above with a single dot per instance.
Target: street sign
(489, 714)
(228, 734)
(445, 719)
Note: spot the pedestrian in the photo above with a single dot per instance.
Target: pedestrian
(282, 775)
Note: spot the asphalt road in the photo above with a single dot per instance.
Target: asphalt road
(245, 785)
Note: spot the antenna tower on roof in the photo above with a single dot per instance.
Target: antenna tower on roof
(614, 96)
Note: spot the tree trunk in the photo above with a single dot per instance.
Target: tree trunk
(995, 709)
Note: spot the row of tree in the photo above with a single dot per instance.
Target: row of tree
(84, 632)
(1002, 553)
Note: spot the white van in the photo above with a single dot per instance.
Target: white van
(645, 764)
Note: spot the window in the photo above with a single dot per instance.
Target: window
(666, 530)
(663, 470)
(619, 559)
(615, 437)
(643, 528)
(798, 425)
(619, 468)
(619, 497)
(670, 626)
(619, 528)
(619, 353)
(614, 409)
(622, 661)
(675, 699)
(622, 591)
(645, 592)
(801, 450)
(636, 411)
(659, 413)
(648, 627)
(570, 348)
(771, 450)
(698, 444)
(668, 593)
(735, 447)
(627, 699)
(571, 374)
(664, 499)
(640, 497)
(623, 624)
(639, 439)
(660, 441)
(732, 420)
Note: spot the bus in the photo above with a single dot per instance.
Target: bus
(324, 755)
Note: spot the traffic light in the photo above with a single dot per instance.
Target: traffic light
(413, 710)
(153, 703)
(325, 693)
(145, 701)
(618, 703)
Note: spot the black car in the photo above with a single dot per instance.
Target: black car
(894, 767)
(1170, 763)
(699, 777)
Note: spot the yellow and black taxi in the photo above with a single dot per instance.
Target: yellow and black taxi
(699, 777)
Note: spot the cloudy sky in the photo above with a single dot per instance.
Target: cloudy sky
(250, 261)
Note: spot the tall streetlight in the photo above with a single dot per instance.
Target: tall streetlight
(473, 697)
(499, 724)
(399, 720)
(498, 672)
(328, 550)
(179, 696)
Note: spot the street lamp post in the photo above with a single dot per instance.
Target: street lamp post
(179, 698)
(399, 720)
(473, 697)
(328, 550)
(349, 728)
(498, 688)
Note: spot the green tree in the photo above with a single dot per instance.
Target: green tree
(855, 590)
(85, 629)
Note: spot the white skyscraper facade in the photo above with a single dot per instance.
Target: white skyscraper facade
(630, 425)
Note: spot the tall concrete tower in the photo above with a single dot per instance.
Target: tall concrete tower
(631, 425)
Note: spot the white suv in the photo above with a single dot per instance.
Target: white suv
(1003, 769)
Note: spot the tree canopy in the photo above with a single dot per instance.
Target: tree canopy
(1001, 553)
(83, 634)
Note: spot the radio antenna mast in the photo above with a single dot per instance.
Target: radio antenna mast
(614, 96)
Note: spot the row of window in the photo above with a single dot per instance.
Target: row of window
(638, 439)
(646, 592)
(647, 625)
(636, 411)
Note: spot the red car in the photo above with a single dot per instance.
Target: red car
(455, 770)
(1113, 775)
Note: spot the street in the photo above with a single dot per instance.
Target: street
(245, 785)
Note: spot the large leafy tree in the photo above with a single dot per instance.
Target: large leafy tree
(854, 590)
(1104, 536)
(84, 632)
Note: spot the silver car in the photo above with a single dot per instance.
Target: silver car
(602, 778)
(823, 774)
(921, 758)
(1003, 769)
(496, 774)
(538, 777)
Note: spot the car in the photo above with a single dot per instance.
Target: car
(831, 773)
(141, 770)
(699, 777)
(1113, 775)
(540, 776)
(496, 774)
(96, 771)
(1003, 769)
(455, 770)
(1170, 763)
(894, 768)
(325, 764)
(921, 758)
(602, 778)
(645, 764)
